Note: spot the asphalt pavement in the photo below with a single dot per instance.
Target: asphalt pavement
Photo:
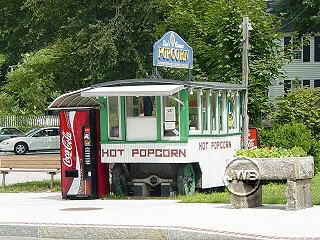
(46, 215)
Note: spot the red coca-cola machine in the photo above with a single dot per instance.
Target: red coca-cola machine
(82, 173)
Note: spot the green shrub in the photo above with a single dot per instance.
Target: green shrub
(287, 136)
(291, 135)
(299, 105)
(266, 152)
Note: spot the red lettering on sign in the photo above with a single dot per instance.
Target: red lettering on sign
(135, 152)
(158, 152)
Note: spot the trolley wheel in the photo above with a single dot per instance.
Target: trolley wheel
(119, 182)
(186, 180)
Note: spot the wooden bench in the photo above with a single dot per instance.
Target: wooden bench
(49, 163)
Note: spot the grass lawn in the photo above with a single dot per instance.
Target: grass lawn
(35, 186)
(271, 194)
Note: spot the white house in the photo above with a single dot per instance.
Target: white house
(304, 70)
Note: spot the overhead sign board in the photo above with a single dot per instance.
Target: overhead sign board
(172, 51)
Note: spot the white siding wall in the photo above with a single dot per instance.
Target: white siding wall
(296, 70)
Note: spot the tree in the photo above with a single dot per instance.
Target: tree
(212, 29)
(304, 15)
(73, 44)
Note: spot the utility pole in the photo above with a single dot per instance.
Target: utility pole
(246, 26)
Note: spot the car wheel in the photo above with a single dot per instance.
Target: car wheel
(20, 148)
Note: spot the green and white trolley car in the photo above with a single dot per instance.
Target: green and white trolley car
(162, 135)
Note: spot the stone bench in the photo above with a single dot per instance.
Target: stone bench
(244, 176)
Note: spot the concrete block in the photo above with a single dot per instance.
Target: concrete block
(141, 189)
(18, 230)
(250, 201)
(166, 189)
(100, 233)
(298, 194)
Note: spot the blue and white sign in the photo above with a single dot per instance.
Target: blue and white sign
(172, 51)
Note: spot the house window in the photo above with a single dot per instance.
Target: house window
(291, 84)
(296, 83)
(306, 51)
(296, 50)
(287, 85)
(316, 83)
(286, 43)
(306, 83)
(317, 49)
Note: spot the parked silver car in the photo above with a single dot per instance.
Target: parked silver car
(8, 132)
(34, 140)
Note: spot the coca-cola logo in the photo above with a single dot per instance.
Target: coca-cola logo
(251, 143)
(66, 141)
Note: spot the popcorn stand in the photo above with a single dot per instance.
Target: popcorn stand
(162, 136)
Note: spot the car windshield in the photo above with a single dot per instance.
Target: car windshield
(29, 133)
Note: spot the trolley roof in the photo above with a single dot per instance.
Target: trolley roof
(87, 97)
(142, 90)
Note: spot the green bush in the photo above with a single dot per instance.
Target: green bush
(271, 152)
(289, 136)
(299, 105)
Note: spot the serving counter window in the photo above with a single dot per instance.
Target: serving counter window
(141, 122)
(140, 106)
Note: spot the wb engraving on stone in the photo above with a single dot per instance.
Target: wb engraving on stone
(243, 179)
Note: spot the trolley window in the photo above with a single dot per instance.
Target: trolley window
(171, 117)
(223, 112)
(232, 111)
(215, 113)
(205, 111)
(194, 112)
(114, 117)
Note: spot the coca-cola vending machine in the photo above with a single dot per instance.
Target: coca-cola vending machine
(82, 173)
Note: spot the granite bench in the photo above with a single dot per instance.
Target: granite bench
(246, 175)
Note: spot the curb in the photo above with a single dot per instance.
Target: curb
(88, 231)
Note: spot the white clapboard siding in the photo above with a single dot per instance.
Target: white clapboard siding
(296, 70)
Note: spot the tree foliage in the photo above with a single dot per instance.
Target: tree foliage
(212, 29)
(62, 45)
(303, 14)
